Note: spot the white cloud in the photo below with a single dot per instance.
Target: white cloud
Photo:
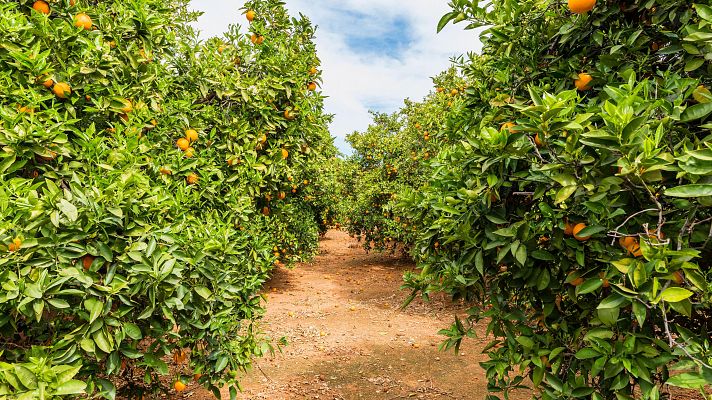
(355, 81)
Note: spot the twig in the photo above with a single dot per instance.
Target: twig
(615, 234)
(673, 343)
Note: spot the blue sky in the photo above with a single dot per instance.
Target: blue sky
(374, 53)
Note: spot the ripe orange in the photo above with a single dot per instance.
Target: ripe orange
(568, 228)
(313, 71)
(165, 171)
(183, 144)
(87, 261)
(41, 7)
(578, 228)
(62, 90)
(257, 39)
(311, 86)
(678, 277)
(191, 135)
(581, 6)
(250, 15)
(289, 115)
(192, 179)
(439, 90)
(15, 245)
(189, 152)
(635, 250)
(582, 83)
(578, 281)
(48, 83)
(453, 92)
(82, 20)
(25, 109)
(265, 211)
(282, 195)
(508, 126)
(221, 48)
(627, 241)
(179, 386)
(537, 141)
(653, 234)
(306, 182)
(285, 154)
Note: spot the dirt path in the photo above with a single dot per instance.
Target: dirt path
(348, 339)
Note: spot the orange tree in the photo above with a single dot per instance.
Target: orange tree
(575, 205)
(393, 154)
(146, 192)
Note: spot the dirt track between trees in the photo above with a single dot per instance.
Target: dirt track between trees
(349, 340)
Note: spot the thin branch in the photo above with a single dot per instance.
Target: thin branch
(615, 234)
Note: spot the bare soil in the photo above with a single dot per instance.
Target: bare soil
(348, 338)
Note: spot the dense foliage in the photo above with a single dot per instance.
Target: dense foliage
(394, 154)
(572, 204)
(150, 183)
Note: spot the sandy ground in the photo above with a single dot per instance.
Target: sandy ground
(349, 340)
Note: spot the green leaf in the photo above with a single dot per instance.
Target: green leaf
(704, 11)
(564, 193)
(675, 294)
(589, 286)
(688, 380)
(26, 377)
(156, 363)
(132, 331)
(68, 209)
(698, 111)
(687, 191)
(203, 291)
(587, 353)
(445, 20)
(613, 301)
(70, 388)
(525, 341)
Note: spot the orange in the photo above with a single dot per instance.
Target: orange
(653, 234)
(197, 376)
(257, 39)
(289, 115)
(306, 182)
(635, 250)
(192, 179)
(183, 144)
(439, 90)
(25, 110)
(179, 386)
(165, 171)
(48, 83)
(191, 135)
(313, 71)
(581, 6)
(311, 86)
(221, 48)
(87, 261)
(537, 141)
(62, 90)
(285, 154)
(453, 92)
(15, 245)
(265, 211)
(250, 15)
(281, 195)
(189, 152)
(578, 228)
(678, 277)
(41, 7)
(582, 83)
(627, 241)
(578, 281)
(83, 21)
(568, 229)
(508, 126)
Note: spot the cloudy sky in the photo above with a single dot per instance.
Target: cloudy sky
(374, 53)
